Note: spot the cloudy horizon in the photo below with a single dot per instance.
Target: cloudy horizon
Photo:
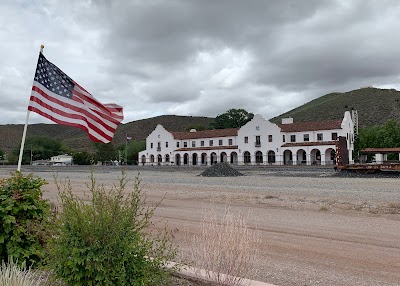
(199, 58)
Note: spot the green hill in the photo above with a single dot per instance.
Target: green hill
(375, 107)
(10, 135)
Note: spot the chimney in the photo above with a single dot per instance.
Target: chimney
(288, 120)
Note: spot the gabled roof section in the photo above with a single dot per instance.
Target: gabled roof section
(311, 126)
(205, 134)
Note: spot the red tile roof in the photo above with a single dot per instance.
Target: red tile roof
(206, 134)
(294, 144)
(311, 126)
(380, 150)
(208, 148)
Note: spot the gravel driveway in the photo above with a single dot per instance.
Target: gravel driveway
(318, 227)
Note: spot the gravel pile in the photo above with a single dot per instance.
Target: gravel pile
(220, 170)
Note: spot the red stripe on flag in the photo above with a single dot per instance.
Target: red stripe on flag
(65, 104)
(86, 125)
(52, 118)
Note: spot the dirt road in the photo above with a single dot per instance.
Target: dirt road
(316, 228)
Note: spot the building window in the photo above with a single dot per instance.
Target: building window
(306, 137)
(269, 138)
(193, 143)
(334, 136)
(283, 138)
(258, 141)
(292, 138)
(211, 143)
(151, 145)
(177, 144)
(166, 144)
(158, 146)
(230, 141)
(220, 142)
(184, 144)
(246, 139)
(320, 137)
(202, 143)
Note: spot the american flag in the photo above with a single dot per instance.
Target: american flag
(57, 97)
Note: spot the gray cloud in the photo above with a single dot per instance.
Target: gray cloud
(199, 57)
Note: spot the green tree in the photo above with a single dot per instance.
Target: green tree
(1, 155)
(83, 158)
(38, 148)
(105, 152)
(233, 118)
(134, 147)
(384, 136)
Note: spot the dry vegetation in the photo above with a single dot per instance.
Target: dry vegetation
(224, 251)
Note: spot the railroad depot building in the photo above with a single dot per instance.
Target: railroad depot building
(258, 142)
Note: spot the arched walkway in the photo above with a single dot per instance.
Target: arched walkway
(234, 158)
(213, 158)
(246, 157)
(178, 159)
(315, 157)
(271, 157)
(194, 159)
(143, 159)
(259, 157)
(151, 158)
(287, 157)
(159, 159)
(330, 156)
(167, 158)
(223, 157)
(185, 159)
(204, 158)
(301, 157)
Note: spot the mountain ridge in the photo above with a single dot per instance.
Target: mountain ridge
(375, 107)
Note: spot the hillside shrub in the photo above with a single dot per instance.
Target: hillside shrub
(104, 238)
(23, 218)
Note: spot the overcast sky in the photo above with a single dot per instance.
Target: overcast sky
(199, 57)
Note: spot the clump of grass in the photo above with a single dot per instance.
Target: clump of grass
(394, 208)
(226, 248)
(11, 274)
(323, 209)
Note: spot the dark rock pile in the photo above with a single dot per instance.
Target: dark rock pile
(220, 170)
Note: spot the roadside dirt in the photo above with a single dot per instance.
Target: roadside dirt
(315, 230)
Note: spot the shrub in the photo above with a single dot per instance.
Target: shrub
(106, 241)
(226, 248)
(11, 274)
(23, 218)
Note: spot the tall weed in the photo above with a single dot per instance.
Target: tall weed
(225, 248)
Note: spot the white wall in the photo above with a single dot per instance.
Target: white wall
(258, 126)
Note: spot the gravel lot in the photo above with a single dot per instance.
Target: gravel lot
(318, 227)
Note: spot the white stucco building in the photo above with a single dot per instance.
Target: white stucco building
(259, 142)
(61, 159)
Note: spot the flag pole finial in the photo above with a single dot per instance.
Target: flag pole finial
(41, 48)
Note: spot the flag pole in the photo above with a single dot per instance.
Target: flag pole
(21, 151)
(126, 149)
